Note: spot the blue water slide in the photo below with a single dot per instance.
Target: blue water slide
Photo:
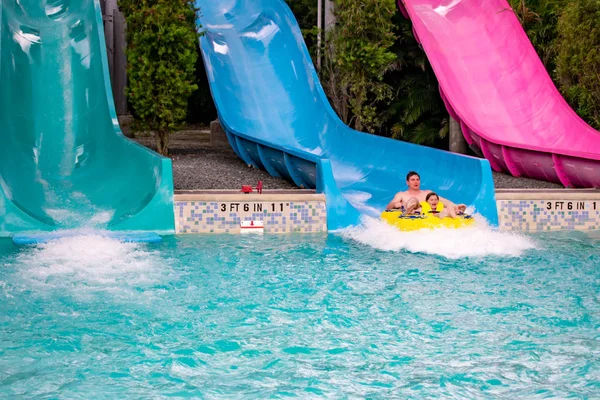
(277, 117)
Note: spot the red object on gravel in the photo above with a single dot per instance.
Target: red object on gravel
(249, 189)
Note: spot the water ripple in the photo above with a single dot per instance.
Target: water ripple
(322, 316)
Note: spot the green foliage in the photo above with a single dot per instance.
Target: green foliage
(201, 107)
(305, 12)
(417, 108)
(358, 57)
(540, 21)
(161, 57)
(578, 59)
(420, 111)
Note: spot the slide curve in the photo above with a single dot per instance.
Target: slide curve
(277, 117)
(495, 85)
(64, 162)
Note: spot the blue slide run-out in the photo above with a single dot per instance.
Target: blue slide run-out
(277, 117)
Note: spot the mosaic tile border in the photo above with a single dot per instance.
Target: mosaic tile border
(548, 215)
(518, 210)
(208, 214)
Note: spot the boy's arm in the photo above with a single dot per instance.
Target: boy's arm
(448, 203)
(450, 206)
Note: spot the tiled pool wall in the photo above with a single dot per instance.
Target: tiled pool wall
(223, 213)
(545, 210)
(518, 210)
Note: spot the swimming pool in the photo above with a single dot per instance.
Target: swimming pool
(358, 314)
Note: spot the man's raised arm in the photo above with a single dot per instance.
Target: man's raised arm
(396, 202)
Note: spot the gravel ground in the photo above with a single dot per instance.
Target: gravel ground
(198, 165)
(503, 181)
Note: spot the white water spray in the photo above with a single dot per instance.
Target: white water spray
(91, 260)
(477, 241)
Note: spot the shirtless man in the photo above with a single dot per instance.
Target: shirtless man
(413, 180)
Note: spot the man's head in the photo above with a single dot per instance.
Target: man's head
(413, 180)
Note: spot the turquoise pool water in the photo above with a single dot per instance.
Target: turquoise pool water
(352, 315)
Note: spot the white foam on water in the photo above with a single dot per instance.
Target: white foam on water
(477, 241)
(91, 261)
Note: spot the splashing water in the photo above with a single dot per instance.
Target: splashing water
(477, 241)
(99, 261)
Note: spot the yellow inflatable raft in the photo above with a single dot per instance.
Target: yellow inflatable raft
(425, 220)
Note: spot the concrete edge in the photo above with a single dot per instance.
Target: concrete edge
(265, 197)
(547, 194)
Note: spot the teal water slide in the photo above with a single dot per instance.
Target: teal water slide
(64, 162)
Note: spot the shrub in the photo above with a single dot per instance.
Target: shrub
(161, 57)
(578, 59)
(357, 56)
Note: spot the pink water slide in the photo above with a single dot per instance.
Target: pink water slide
(495, 85)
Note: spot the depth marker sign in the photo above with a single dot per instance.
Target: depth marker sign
(252, 226)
